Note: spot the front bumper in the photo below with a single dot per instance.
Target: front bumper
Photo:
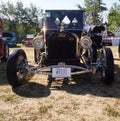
(48, 70)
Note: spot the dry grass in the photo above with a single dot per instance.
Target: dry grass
(83, 101)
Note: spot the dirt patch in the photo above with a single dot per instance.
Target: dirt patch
(83, 100)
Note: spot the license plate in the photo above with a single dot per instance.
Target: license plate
(61, 72)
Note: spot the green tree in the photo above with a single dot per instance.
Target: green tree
(93, 10)
(18, 18)
(7, 11)
(114, 17)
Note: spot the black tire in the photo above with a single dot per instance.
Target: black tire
(36, 56)
(12, 65)
(6, 52)
(94, 47)
(107, 72)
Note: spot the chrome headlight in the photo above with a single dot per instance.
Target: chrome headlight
(38, 42)
(85, 42)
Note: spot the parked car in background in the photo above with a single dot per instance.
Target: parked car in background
(107, 41)
(4, 49)
(28, 40)
(11, 38)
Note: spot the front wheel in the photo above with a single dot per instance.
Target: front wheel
(107, 70)
(16, 72)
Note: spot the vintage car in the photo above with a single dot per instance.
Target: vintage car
(4, 49)
(62, 50)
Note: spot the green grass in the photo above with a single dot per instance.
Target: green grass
(111, 111)
(83, 101)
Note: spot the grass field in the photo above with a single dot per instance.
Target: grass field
(84, 101)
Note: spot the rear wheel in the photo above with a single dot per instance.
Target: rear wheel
(107, 70)
(16, 72)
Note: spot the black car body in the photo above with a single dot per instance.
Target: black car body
(60, 44)
(61, 50)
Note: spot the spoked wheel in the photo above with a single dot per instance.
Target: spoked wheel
(16, 71)
(90, 56)
(107, 69)
(6, 52)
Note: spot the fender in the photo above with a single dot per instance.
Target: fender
(2, 45)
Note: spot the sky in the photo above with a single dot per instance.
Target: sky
(59, 4)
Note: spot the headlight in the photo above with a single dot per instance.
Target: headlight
(38, 42)
(85, 42)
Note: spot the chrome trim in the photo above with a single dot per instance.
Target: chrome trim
(45, 71)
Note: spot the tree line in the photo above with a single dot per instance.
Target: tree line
(94, 13)
(19, 19)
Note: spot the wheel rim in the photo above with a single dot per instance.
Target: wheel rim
(103, 73)
(90, 54)
(103, 56)
(21, 72)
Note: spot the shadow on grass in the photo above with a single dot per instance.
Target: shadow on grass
(32, 90)
(17, 46)
(92, 86)
(117, 59)
(84, 85)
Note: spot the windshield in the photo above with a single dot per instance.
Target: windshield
(7, 34)
(69, 19)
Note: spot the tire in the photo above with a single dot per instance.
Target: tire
(13, 74)
(107, 71)
(36, 56)
(94, 47)
(6, 52)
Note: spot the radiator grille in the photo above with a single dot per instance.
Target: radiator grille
(62, 48)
